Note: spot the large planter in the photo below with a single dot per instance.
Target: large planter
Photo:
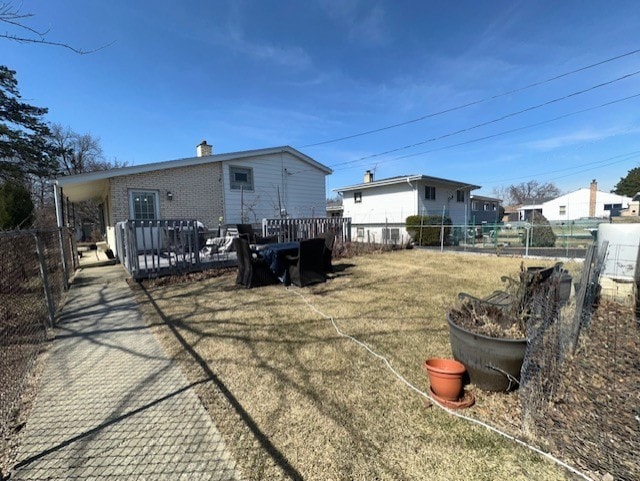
(493, 363)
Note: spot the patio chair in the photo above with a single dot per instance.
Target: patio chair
(329, 241)
(269, 239)
(252, 271)
(247, 229)
(519, 293)
(308, 266)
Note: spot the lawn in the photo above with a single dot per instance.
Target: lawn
(295, 399)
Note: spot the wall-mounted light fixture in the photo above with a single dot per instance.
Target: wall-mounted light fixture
(169, 195)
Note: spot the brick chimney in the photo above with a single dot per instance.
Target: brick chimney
(368, 177)
(593, 193)
(203, 149)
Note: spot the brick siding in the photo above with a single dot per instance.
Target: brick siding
(197, 193)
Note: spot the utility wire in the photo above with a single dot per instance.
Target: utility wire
(499, 119)
(598, 164)
(475, 102)
(629, 155)
(486, 137)
(477, 139)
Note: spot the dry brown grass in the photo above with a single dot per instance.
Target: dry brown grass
(293, 399)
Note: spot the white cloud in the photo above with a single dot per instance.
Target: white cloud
(364, 23)
(578, 137)
(370, 28)
(290, 56)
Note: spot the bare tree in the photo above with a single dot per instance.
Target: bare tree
(78, 153)
(532, 191)
(335, 200)
(75, 154)
(11, 16)
(502, 192)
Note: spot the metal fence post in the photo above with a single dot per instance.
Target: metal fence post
(45, 279)
(65, 267)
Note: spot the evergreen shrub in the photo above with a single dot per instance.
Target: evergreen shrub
(541, 234)
(425, 229)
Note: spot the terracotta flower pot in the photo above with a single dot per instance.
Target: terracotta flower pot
(445, 377)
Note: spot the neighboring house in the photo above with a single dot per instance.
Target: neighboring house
(484, 210)
(583, 203)
(527, 209)
(379, 208)
(334, 209)
(237, 187)
(633, 209)
(511, 213)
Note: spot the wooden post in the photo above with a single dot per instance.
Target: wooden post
(581, 297)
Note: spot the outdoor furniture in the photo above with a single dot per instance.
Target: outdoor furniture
(329, 241)
(275, 256)
(219, 246)
(308, 267)
(270, 239)
(519, 293)
(247, 229)
(252, 271)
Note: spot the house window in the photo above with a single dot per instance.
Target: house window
(360, 232)
(392, 234)
(474, 205)
(459, 195)
(357, 197)
(494, 206)
(563, 210)
(241, 178)
(612, 206)
(486, 207)
(429, 192)
(144, 205)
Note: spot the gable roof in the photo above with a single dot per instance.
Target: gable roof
(485, 198)
(401, 179)
(88, 185)
(600, 195)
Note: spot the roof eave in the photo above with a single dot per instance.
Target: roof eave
(402, 180)
(187, 162)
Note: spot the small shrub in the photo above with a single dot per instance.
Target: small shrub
(352, 249)
(541, 234)
(425, 229)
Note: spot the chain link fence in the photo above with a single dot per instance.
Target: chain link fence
(579, 380)
(35, 266)
(556, 239)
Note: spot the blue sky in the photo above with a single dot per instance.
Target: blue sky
(253, 74)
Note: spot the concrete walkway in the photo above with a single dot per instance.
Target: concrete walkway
(111, 403)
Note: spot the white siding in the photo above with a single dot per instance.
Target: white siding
(576, 205)
(388, 206)
(387, 203)
(301, 189)
(445, 197)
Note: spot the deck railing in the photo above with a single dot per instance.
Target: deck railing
(289, 230)
(152, 248)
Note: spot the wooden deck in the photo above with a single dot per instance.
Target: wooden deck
(154, 248)
(151, 265)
